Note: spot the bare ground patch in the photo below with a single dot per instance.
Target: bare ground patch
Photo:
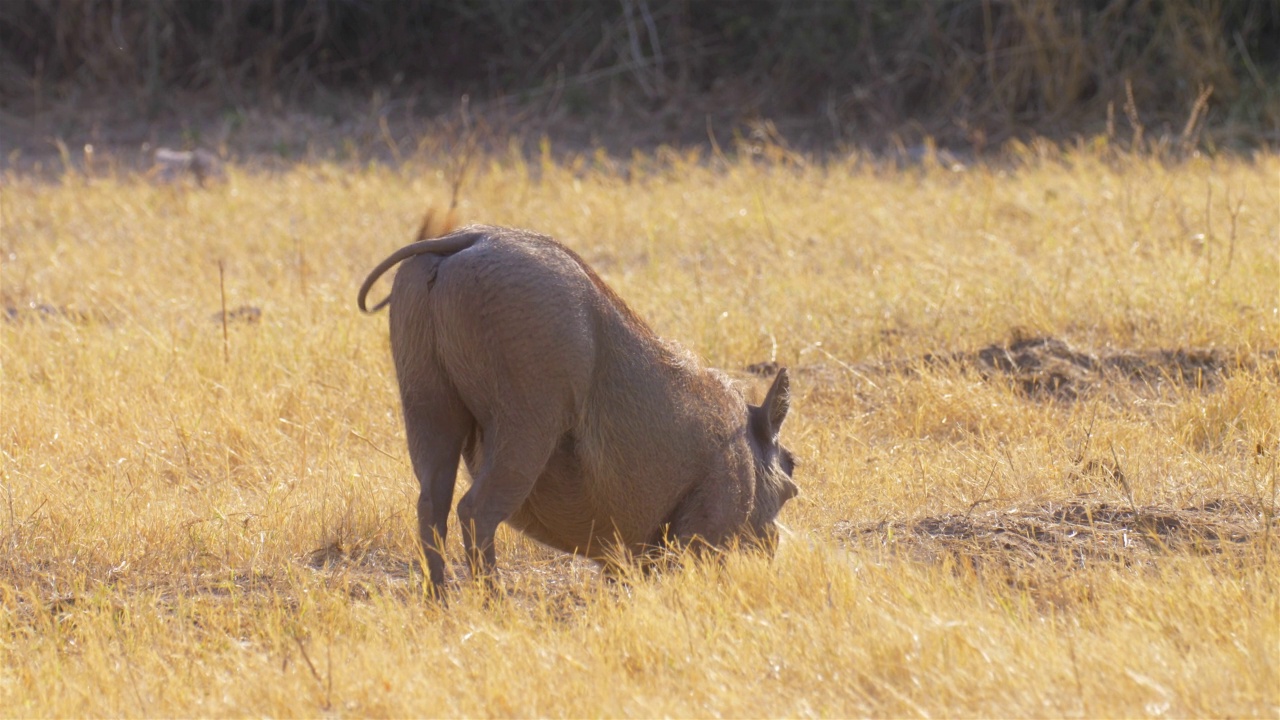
(1074, 532)
(44, 312)
(1048, 368)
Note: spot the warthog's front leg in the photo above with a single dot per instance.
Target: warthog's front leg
(515, 454)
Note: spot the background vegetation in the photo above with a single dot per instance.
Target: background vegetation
(968, 72)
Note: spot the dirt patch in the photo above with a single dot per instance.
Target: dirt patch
(246, 314)
(1048, 368)
(1076, 532)
(38, 312)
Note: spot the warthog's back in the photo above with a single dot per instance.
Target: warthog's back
(538, 347)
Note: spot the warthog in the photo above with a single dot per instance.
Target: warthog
(172, 165)
(579, 426)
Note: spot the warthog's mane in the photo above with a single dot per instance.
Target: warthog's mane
(673, 355)
(632, 319)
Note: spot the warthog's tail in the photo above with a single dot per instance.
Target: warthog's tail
(446, 245)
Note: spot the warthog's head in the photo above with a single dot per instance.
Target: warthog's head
(774, 464)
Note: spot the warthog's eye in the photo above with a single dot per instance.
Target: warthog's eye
(787, 461)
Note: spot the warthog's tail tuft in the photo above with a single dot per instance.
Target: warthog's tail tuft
(434, 226)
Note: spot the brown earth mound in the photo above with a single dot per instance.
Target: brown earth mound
(1047, 368)
(1077, 531)
(33, 311)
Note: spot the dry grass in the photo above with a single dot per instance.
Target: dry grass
(200, 524)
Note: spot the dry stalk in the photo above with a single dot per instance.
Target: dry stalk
(1119, 475)
(222, 291)
(302, 264)
(1191, 131)
(326, 683)
(1208, 232)
(1234, 213)
(1131, 110)
(392, 145)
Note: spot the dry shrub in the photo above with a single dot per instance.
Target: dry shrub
(969, 72)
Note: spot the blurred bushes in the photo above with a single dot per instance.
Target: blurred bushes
(978, 67)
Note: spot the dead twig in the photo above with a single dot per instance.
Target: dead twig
(222, 289)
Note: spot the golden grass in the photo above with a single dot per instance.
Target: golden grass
(193, 527)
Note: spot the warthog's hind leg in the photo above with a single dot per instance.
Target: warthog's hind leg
(436, 426)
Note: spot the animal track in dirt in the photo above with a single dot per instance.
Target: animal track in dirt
(1047, 368)
(1079, 531)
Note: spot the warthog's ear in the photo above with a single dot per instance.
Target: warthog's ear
(769, 416)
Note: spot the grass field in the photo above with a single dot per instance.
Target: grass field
(1036, 408)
